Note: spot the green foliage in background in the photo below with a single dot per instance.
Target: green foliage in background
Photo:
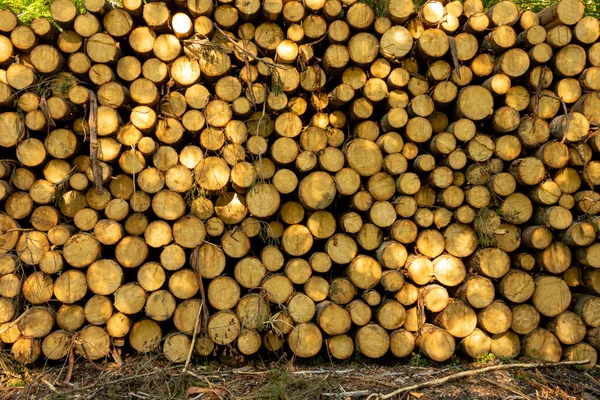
(27, 10)
(592, 7)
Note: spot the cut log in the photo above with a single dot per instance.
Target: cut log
(542, 345)
(435, 343)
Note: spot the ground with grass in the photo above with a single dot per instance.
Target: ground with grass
(229, 378)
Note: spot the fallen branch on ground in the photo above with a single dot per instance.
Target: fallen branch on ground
(465, 374)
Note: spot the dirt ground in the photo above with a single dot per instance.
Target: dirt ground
(151, 377)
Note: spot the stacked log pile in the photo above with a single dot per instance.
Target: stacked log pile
(302, 175)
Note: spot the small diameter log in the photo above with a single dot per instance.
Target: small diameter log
(26, 350)
(525, 319)
(145, 336)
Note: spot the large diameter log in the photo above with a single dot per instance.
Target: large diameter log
(436, 343)
(567, 12)
(372, 341)
(568, 328)
(458, 319)
(516, 286)
(305, 340)
(542, 345)
(317, 190)
(493, 263)
(476, 344)
(475, 103)
(333, 319)
(505, 344)
(495, 318)
(551, 296)
(586, 307)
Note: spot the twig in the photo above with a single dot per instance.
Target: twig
(99, 385)
(505, 387)
(193, 341)
(71, 364)
(66, 178)
(465, 374)
(597, 382)
(265, 61)
(317, 41)
(93, 124)
(117, 357)
(16, 230)
(347, 394)
(248, 80)
(13, 323)
(196, 267)
(50, 386)
(454, 53)
(45, 111)
(565, 110)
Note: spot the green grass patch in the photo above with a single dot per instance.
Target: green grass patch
(28, 10)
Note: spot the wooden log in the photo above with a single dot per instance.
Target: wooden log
(549, 350)
(372, 341)
(554, 305)
(567, 12)
(476, 344)
(26, 350)
(495, 318)
(568, 328)
(584, 307)
(435, 343)
(145, 335)
(581, 351)
(516, 286)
